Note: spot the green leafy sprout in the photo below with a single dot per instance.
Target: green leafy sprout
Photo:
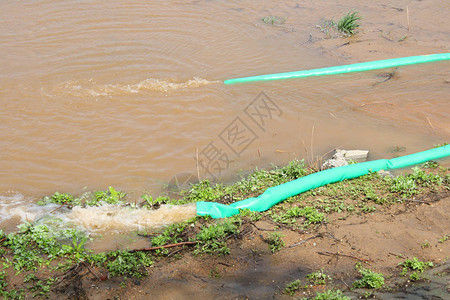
(348, 23)
(370, 279)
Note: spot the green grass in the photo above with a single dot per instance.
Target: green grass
(331, 295)
(110, 196)
(369, 279)
(124, 263)
(348, 23)
(444, 238)
(291, 215)
(318, 277)
(98, 198)
(292, 287)
(275, 241)
(29, 246)
(171, 235)
(211, 239)
(273, 20)
(416, 266)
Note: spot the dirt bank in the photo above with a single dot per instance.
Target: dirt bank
(380, 241)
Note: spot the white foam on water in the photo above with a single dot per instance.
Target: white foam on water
(91, 88)
(16, 209)
(107, 219)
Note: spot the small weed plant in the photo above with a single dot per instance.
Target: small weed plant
(292, 287)
(171, 235)
(252, 215)
(273, 20)
(444, 238)
(348, 23)
(318, 277)
(275, 241)
(98, 198)
(331, 295)
(212, 239)
(425, 245)
(110, 196)
(203, 191)
(416, 266)
(408, 185)
(124, 263)
(369, 280)
(311, 215)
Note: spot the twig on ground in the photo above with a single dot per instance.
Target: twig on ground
(407, 15)
(360, 223)
(309, 40)
(345, 283)
(164, 246)
(327, 253)
(174, 252)
(398, 255)
(71, 273)
(58, 207)
(419, 201)
(92, 272)
(198, 167)
(312, 150)
(262, 229)
(332, 237)
(375, 102)
(304, 241)
(429, 122)
(281, 151)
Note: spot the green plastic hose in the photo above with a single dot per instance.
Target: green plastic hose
(365, 66)
(275, 195)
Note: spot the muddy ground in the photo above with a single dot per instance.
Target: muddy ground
(380, 241)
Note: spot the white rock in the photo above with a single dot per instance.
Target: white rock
(356, 155)
(341, 158)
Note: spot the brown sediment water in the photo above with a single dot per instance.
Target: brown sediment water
(130, 93)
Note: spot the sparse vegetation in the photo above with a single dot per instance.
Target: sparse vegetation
(211, 239)
(310, 215)
(274, 20)
(444, 238)
(331, 295)
(369, 280)
(416, 266)
(275, 241)
(318, 277)
(37, 247)
(348, 23)
(109, 196)
(171, 235)
(124, 263)
(292, 287)
(425, 245)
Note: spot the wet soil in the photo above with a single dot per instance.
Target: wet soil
(380, 241)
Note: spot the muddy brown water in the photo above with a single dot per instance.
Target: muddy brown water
(129, 94)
